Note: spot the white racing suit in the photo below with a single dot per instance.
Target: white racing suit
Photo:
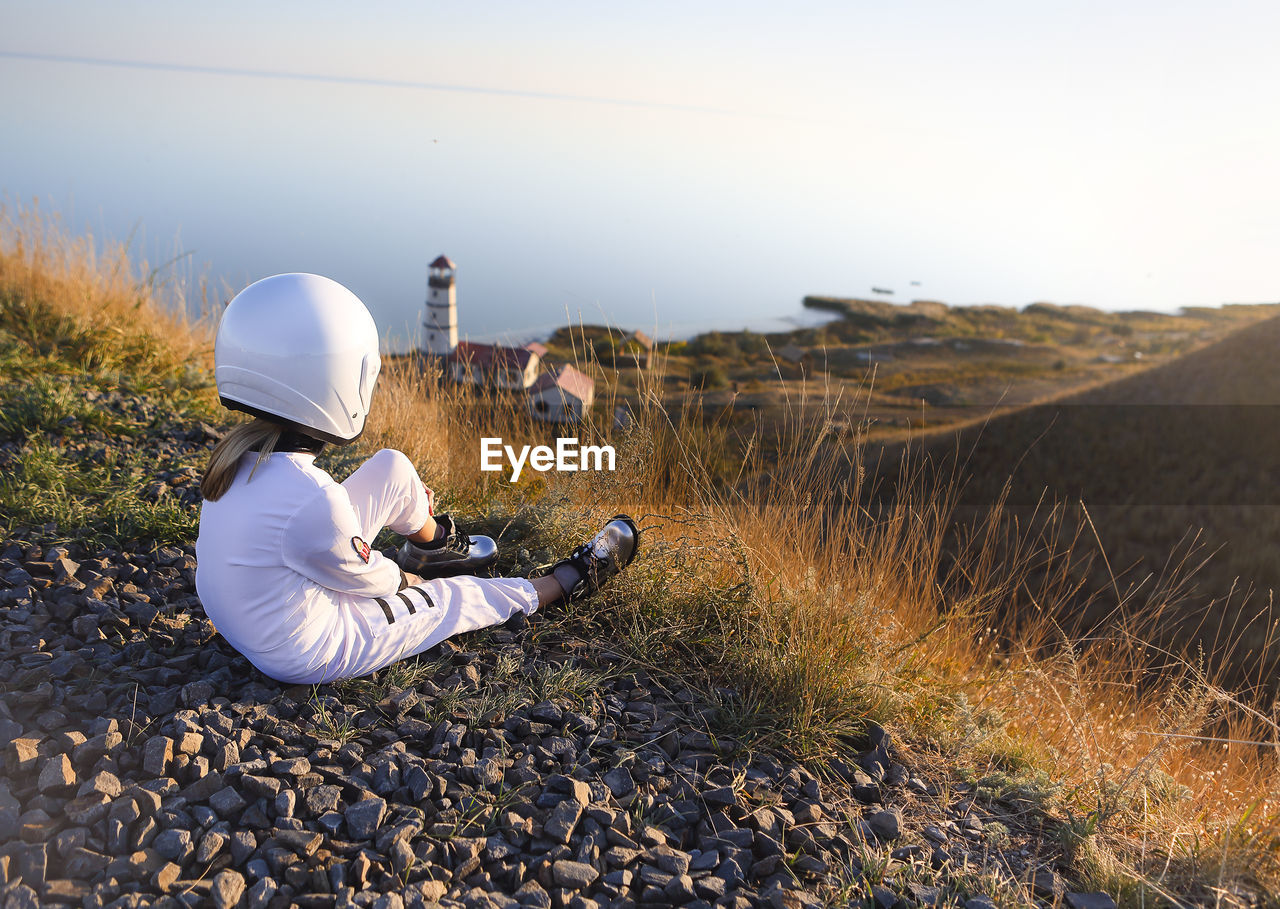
(287, 575)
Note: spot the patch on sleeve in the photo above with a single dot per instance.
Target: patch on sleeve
(361, 548)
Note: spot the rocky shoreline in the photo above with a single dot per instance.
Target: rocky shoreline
(146, 763)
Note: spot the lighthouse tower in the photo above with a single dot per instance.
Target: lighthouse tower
(442, 308)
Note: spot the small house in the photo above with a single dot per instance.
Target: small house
(562, 397)
(495, 365)
(635, 348)
(640, 340)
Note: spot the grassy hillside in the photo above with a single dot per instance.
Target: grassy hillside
(1175, 466)
(795, 625)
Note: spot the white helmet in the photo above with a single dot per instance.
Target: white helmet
(301, 350)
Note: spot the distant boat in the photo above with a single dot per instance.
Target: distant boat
(880, 290)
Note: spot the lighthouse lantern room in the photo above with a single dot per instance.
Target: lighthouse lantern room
(442, 308)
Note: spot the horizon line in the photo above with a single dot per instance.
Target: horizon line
(377, 82)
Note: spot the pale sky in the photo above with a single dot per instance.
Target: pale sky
(1108, 153)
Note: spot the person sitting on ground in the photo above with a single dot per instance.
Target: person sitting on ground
(285, 566)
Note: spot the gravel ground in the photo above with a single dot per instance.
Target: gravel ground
(146, 763)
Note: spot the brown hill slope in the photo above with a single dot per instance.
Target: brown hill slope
(1181, 457)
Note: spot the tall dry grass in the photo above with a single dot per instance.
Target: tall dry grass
(764, 573)
(72, 298)
(802, 614)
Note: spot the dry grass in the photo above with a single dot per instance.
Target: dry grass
(824, 617)
(758, 574)
(68, 300)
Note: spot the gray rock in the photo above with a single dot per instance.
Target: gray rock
(189, 743)
(210, 845)
(619, 781)
(260, 894)
(720, 797)
(574, 875)
(87, 810)
(147, 800)
(56, 775)
(577, 790)
(621, 878)
(260, 786)
(304, 843)
(21, 755)
(654, 876)
(402, 856)
(31, 863)
(291, 767)
(731, 872)
(886, 824)
(433, 891)
(22, 897)
(106, 783)
(670, 860)
(909, 852)
(1046, 883)
(934, 834)
(64, 842)
(364, 818)
(884, 897)
(174, 845)
(496, 848)
(243, 845)
(197, 694)
(10, 825)
(228, 886)
(87, 754)
(679, 889)
(201, 789)
(166, 876)
(980, 902)
(86, 864)
(562, 820)
(225, 754)
(488, 772)
(738, 837)
(1089, 901)
(322, 799)
(285, 803)
(807, 812)
(227, 802)
(704, 861)
(925, 894)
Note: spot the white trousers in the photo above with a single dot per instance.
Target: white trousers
(386, 492)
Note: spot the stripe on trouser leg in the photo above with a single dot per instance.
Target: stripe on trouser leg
(386, 610)
(407, 602)
(431, 604)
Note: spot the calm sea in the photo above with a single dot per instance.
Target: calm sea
(663, 219)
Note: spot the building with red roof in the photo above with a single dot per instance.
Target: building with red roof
(495, 364)
(562, 397)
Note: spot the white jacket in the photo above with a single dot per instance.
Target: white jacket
(280, 567)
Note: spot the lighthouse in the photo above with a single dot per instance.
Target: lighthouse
(442, 308)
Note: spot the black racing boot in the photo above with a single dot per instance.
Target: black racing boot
(453, 552)
(591, 565)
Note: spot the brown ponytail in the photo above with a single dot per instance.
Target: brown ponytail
(257, 435)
